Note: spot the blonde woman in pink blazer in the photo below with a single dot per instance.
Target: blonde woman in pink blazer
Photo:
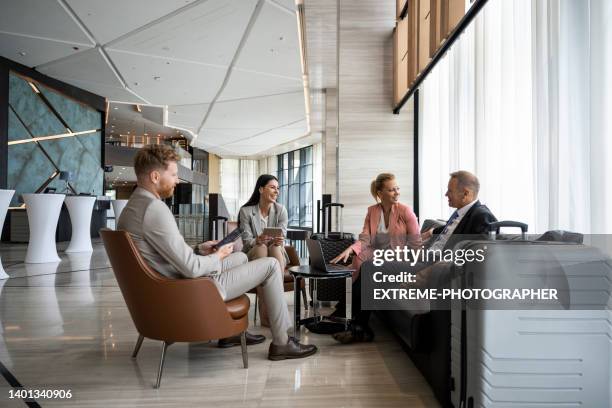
(388, 224)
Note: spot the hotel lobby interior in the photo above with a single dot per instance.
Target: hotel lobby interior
(324, 95)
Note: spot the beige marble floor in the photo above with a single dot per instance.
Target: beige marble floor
(65, 326)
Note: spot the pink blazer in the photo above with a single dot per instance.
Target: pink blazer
(403, 230)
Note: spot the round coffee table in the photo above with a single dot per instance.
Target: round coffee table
(308, 272)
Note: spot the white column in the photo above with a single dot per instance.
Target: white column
(80, 208)
(5, 200)
(43, 214)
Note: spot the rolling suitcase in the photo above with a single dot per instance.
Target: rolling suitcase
(332, 243)
(525, 357)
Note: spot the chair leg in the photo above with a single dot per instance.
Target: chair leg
(305, 298)
(138, 344)
(161, 363)
(243, 345)
(255, 311)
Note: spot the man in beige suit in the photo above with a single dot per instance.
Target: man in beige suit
(153, 228)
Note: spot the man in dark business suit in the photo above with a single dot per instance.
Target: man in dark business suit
(470, 220)
(470, 217)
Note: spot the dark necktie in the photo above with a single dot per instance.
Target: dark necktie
(452, 219)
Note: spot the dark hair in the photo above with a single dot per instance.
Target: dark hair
(262, 181)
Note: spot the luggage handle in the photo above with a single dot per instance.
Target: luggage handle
(333, 205)
(494, 227)
(329, 206)
(215, 224)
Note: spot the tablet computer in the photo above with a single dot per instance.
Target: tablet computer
(229, 238)
(273, 232)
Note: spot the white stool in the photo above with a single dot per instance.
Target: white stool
(118, 206)
(5, 201)
(80, 209)
(43, 214)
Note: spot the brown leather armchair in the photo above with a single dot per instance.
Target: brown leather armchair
(172, 310)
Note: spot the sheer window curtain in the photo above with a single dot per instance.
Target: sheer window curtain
(238, 177)
(523, 100)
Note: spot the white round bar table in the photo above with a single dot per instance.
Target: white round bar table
(5, 201)
(80, 209)
(118, 206)
(43, 214)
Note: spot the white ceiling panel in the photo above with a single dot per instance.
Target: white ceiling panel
(273, 46)
(209, 32)
(87, 66)
(218, 137)
(164, 82)
(35, 51)
(40, 18)
(173, 53)
(187, 116)
(110, 92)
(125, 15)
(288, 4)
(249, 84)
(267, 139)
(261, 113)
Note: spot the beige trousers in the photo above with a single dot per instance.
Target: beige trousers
(262, 251)
(238, 276)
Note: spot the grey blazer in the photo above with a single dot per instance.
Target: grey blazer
(154, 231)
(251, 226)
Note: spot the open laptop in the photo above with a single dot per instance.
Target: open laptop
(318, 261)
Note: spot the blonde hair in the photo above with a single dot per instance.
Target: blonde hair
(154, 157)
(377, 184)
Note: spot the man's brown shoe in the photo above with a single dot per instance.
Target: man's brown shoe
(293, 349)
(251, 339)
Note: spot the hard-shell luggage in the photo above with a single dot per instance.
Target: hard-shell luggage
(526, 356)
(332, 243)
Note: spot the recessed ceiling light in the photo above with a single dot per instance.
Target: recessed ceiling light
(22, 53)
(75, 48)
(136, 83)
(157, 78)
(115, 108)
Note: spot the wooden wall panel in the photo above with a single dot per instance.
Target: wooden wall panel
(424, 33)
(413, 44)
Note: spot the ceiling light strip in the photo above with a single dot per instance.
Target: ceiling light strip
(53, 137)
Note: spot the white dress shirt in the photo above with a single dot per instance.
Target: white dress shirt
(450, 228)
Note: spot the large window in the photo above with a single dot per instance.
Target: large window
(295, 180)
(523, 100)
